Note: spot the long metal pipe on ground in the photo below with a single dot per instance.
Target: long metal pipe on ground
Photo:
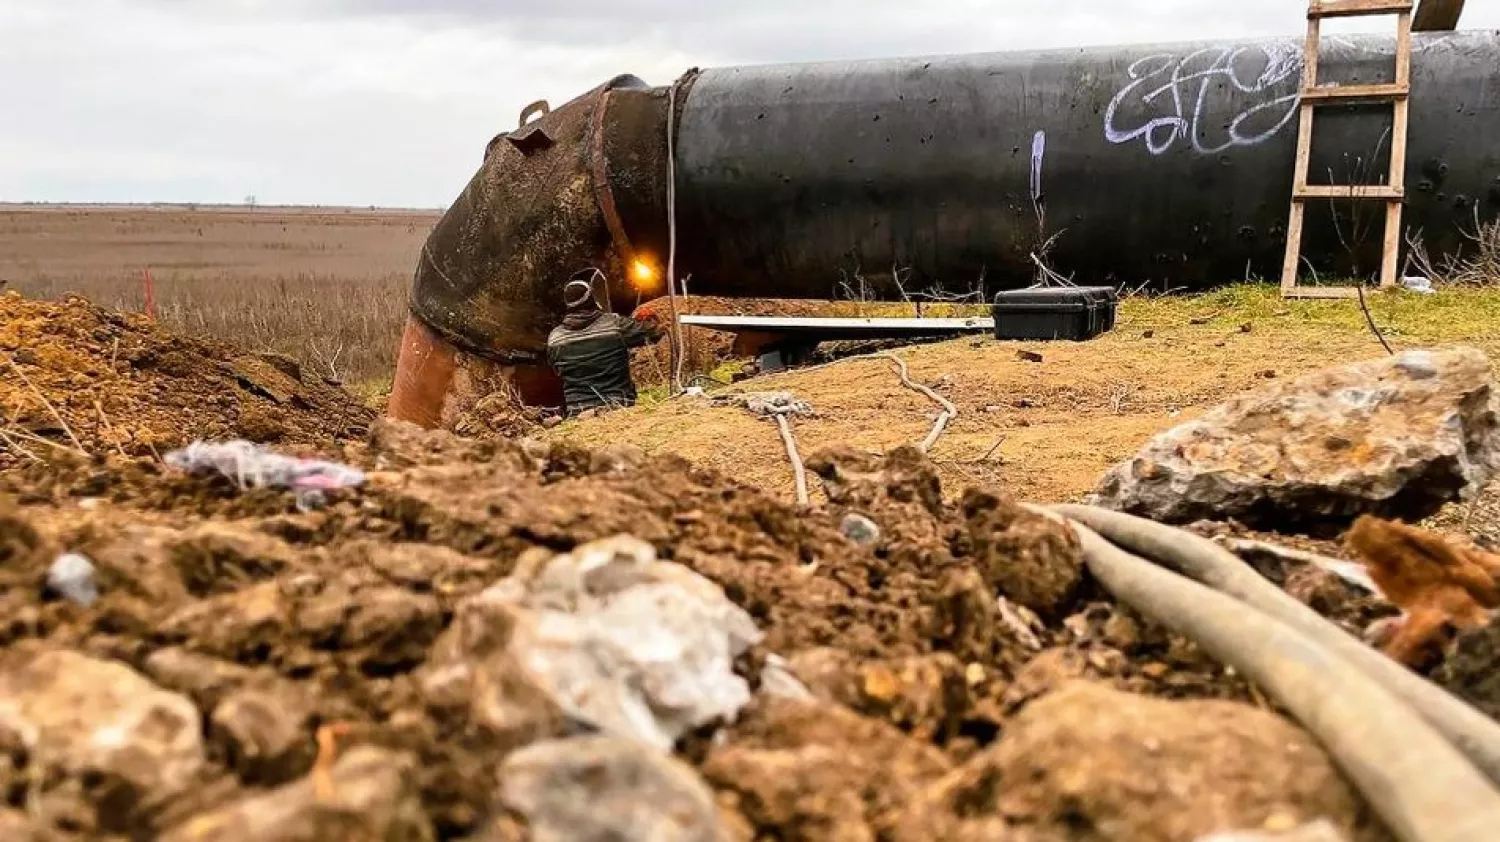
(1169, 164)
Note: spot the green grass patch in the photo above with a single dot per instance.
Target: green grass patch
(1453, 314)
(653, 395)
(373, 392)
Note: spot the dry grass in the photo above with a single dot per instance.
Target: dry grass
(328, 287)
(1483, 267)
(343, 328)
(1479, 265)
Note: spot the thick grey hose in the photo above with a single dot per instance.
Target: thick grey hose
(1423, 787)
(949, 412)
(799, 471)
(1473, 733)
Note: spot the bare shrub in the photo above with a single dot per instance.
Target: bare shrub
(1479, 265)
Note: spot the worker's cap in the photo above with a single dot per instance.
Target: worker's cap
(577, 292)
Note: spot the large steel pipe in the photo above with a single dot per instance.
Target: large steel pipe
(1168, 164)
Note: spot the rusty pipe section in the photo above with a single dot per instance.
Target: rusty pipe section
(1169, 164)
(550, 198)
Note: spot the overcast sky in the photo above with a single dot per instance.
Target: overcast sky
(390, 102)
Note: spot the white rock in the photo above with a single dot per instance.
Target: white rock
(602, 789)
(607, 636)
(778, 681)
(1397, 436)
(72, 575)
(860, 529)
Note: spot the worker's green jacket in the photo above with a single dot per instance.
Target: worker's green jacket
(591, 351)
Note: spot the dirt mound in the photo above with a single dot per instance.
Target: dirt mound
(1472, 669)
(79, 376)
(1071, 767)
(308, 641)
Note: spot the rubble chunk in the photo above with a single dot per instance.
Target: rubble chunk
(926, 696)
(860, 529)
(606, 635)
(237, 624)
(138, 744)
(779, 679)
(1026, 557)
(1398, 436)
(605, 789)
(966, 615)
(214, 558)
(1472, 669)
(814, 771)
(265, 735)
(393, 626)
(1094, 764)
(203, 678)
(370, 793)
(855, 478)
(1438, 584)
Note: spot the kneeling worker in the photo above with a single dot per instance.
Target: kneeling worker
(590, 350)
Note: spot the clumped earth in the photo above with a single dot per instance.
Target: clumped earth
(76, 375)
(1472, 668)
(254, 669)
(238, 626)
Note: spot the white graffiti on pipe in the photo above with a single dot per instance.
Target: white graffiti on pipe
(1038, 152)
(1180, 87)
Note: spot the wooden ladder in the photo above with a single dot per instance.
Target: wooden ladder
(1398, 93)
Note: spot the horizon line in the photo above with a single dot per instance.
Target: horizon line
(217, 206)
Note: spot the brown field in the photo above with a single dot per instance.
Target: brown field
(299, 662)
(325, 285)
(329, 287)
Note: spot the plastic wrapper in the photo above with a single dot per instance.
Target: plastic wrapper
(253, 466)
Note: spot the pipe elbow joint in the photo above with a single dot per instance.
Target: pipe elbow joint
(547, 201)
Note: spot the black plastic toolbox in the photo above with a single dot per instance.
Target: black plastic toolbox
(1075, 313)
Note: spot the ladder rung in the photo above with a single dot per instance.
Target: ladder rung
(1320, 292)
(1437, 16)
(1380, 93)
(1347, 191)
(1352, 8)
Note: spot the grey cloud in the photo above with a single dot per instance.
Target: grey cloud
(391, 101)
(794, 30)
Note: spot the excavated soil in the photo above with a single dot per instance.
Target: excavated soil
(223, 596)
(1472, 668)
(967, 679)
(76, 375)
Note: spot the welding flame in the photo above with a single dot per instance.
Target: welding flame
(643, 273)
